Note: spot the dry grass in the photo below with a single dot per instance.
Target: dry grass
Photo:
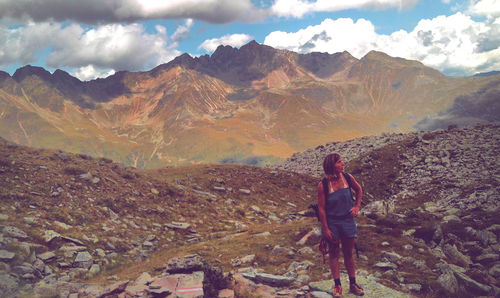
(225, 222)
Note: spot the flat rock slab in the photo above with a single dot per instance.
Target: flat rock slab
(114, 288)
(50, 235)
(6, 255)
(143, 279)
(163, 285)
(369, 284)
(14, 232)
(385, 265)
(178, 285)
(190, 286)
(472, 285)
(136, 290)
(75, 248)
(83, 256)
(185, 264)
(178, 225)
(273, 280)
(47, 256)
(318, 294)
(226, 293)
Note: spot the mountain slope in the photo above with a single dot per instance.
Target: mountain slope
(70, 221)
(255, 105)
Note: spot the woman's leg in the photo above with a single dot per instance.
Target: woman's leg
(334, 254)
(347, 248)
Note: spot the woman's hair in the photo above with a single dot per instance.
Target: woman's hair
(329, 164)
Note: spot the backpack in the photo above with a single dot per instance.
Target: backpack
(323, 245)
(325, 190)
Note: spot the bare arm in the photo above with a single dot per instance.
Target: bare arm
(359, 195)
(322, 212)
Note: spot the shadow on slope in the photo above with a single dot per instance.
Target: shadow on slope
(482, 106)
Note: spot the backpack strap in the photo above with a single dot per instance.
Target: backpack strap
(325, 187)
(348, 179)
(325, 183)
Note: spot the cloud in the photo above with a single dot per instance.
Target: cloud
(299, 8)
(20, 45)
(234, 40)
(89, 72)
(182, 32)
(114, 11)
(479, 107)
(330, 36)
(484, 8)
(97, 51)
(118, 47)
(455, 45)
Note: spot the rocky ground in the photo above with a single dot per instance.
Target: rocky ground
(439, 188)
(75, 226)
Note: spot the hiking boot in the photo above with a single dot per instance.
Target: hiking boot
(337, 291)
(356, 290)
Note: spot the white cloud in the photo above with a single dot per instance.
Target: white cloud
(485, 8)
(182, 32)
(298, 8)
(86, 73)
(455, 45)
(234, 40)
(118, 47)
(91, 50)
(19, 45)
(104, 11)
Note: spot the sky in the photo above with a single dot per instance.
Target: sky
(96, 38)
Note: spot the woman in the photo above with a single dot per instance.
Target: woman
(336, 213)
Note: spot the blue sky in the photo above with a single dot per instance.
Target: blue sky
(95, 38)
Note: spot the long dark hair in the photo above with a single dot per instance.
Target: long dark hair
(329, 165)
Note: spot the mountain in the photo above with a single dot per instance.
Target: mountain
(429, 224)
(487, 74)
(253, 105)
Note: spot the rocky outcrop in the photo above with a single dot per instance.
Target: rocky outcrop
(442, 187)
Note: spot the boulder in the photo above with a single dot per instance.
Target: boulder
(488, 258)
(456, 256)
(377, 208)
(47, 256)
(449, 283)
(14, 232)
(226, 293)
(6, 255)
(190, 286)
(278, 250)
(244, 287)
(187, 264)
(451, 219)
(178, 225)
(143, 279)
(273, 280)
(50, 235)
(244, 191)
(472, 285)
(385, 265)
(391, 256)
(114, 289)
(495, 271)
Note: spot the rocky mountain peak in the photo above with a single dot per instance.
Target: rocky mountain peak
(4, 75)
(184, 60)
(223, 53)
(381, 57)
(61, 75)
(29, 70)
(325, 64)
